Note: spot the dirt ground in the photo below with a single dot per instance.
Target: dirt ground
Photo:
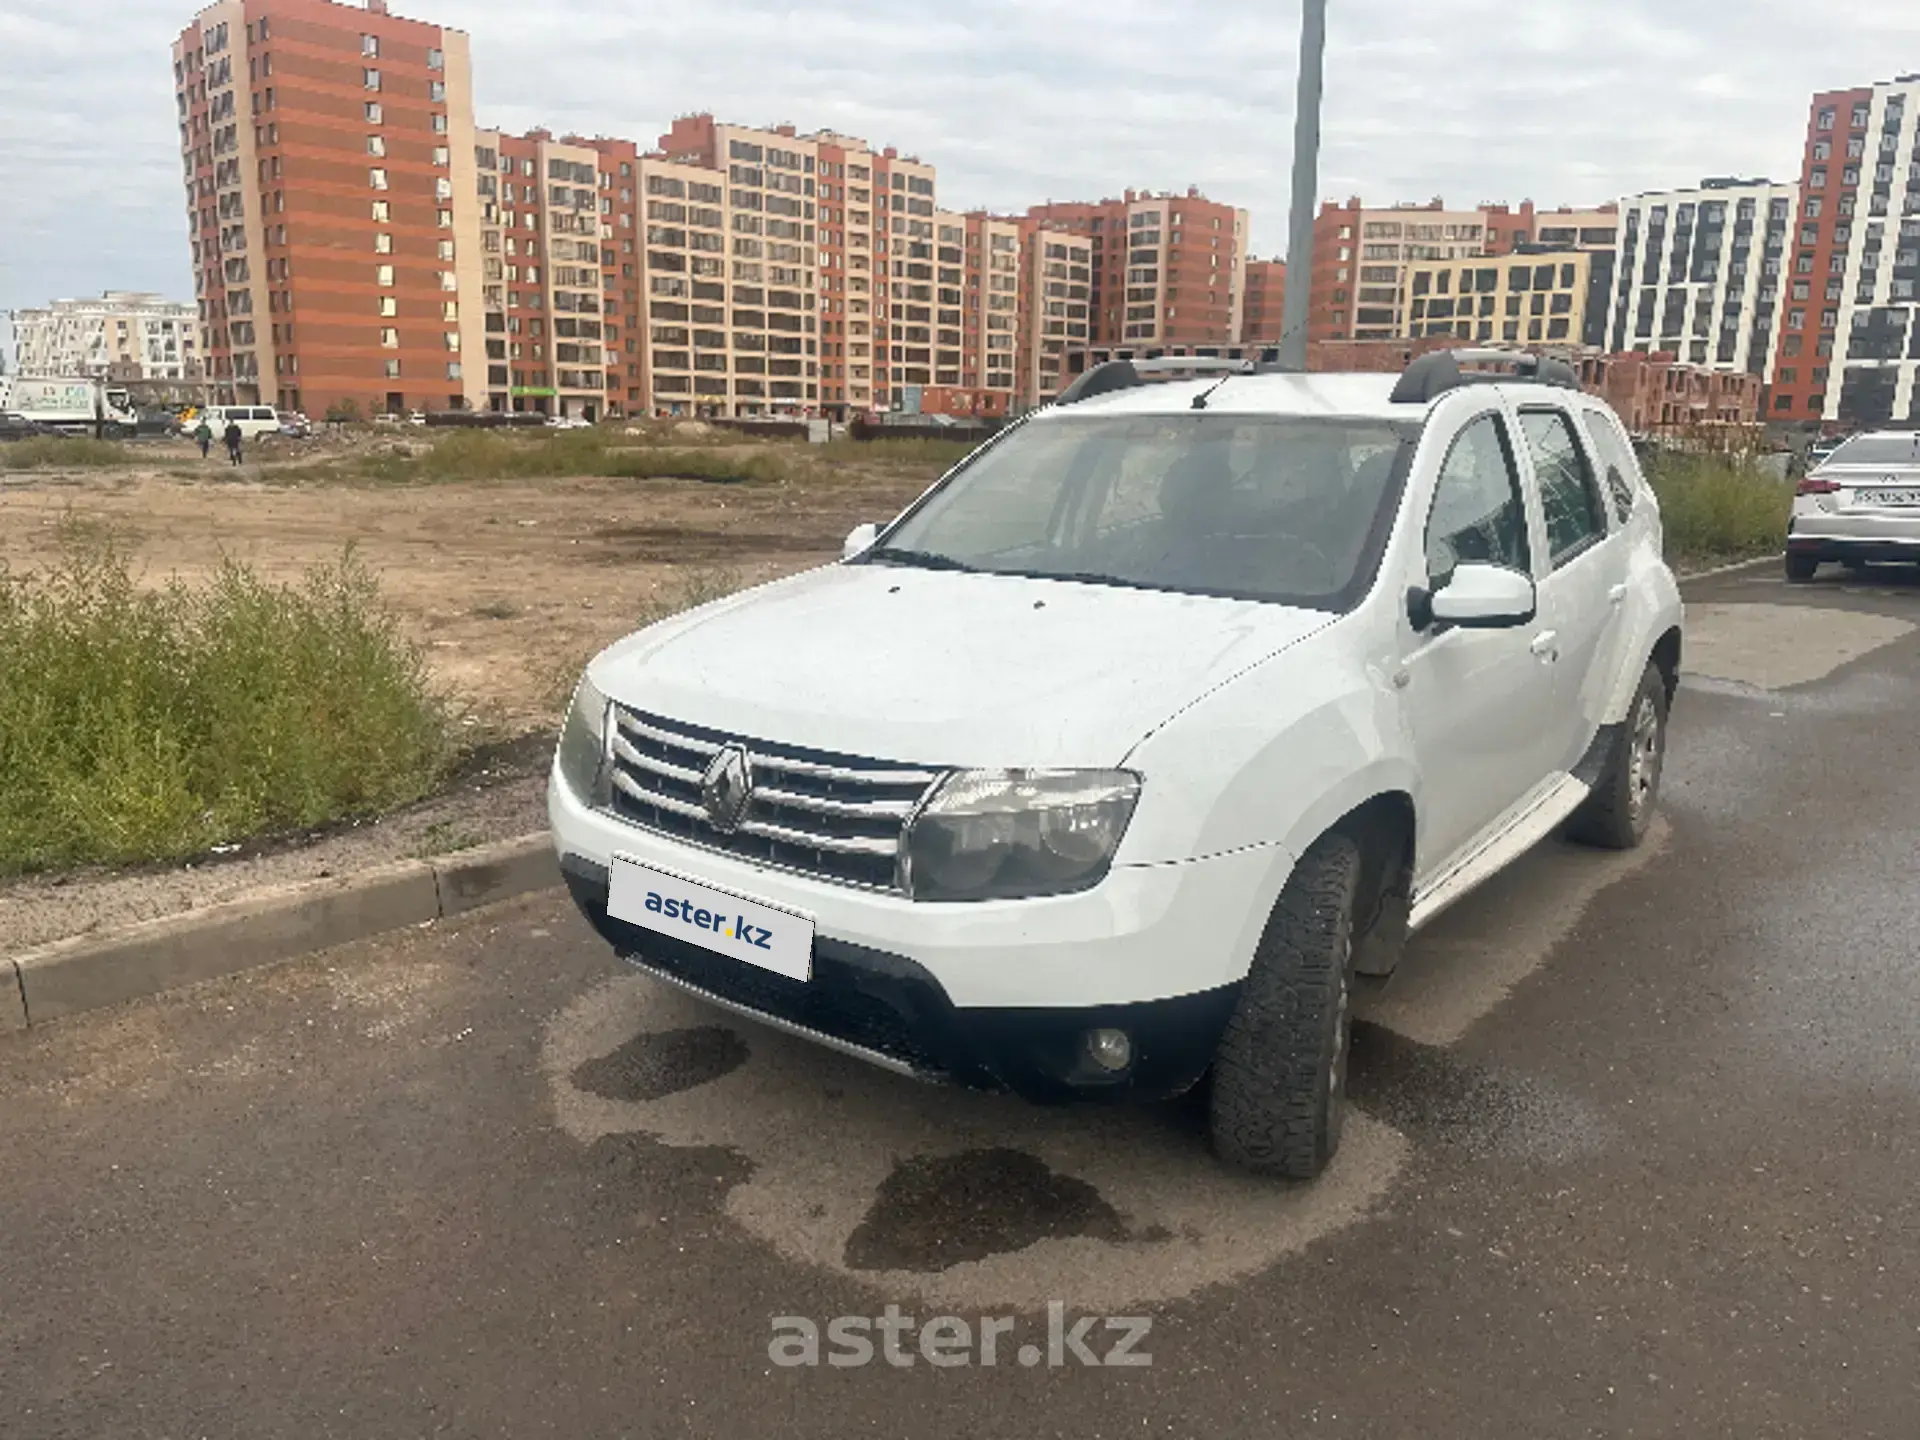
(508, 585)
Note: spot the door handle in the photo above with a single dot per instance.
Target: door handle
(1546, 646)
(1617, 595)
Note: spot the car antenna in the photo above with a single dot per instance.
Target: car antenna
(1200, 400)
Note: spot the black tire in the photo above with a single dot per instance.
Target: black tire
(1800, 568)
(1620, 809)
(1280, 1073)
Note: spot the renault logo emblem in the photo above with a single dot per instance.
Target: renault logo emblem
(726, 788)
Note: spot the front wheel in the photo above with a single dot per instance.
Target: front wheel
(1619, 811)
(1280, 1073)
(1800, 568)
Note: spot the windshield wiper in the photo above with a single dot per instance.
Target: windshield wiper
(1086, 577)
(921, 559)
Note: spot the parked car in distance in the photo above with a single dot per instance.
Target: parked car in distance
(386, 417)
(15, 426)
(416, 417)
(568, 422)
(1110, 763)
(253, 420)
(1861, 504)
(295, 426)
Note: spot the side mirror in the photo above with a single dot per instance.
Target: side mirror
(859, 540)
(1485, 597)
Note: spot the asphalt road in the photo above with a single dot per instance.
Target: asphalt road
(1635, 1155)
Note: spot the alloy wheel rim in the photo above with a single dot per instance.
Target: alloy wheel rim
(1643, 757)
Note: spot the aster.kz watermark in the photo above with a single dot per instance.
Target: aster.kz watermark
(949, 1341)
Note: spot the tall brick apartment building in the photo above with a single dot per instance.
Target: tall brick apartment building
(1849, 349)
(1166, 270)
(328, 158)
(1262, 311)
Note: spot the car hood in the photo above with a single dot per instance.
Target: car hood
(944, 668)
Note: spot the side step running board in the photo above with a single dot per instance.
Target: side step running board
(1525, 831)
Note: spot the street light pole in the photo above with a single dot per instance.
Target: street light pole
(1306, 186)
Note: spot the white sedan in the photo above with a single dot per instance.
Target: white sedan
(1862, 503)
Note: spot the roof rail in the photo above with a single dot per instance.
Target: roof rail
(1125, 374)
(1434, 374)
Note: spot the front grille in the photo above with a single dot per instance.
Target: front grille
(834, 816)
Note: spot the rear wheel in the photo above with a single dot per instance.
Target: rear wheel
(1800, 568)
(1618, 813)
(1280, 1074)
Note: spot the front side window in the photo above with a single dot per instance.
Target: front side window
(1287, 510)
(1568, 495)
(1477, 514)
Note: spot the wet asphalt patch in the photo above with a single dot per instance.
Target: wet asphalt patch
(652, 1066)
(1435, 1098)
(937, 1211)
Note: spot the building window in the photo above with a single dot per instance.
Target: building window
(382, 210)
(436, 90)
(370, 79)
(383, 276)
(389, 307)
(382, 243)
(446, 250)
(393, 369)
(376, 145)
(375, 115)
(377, 178)
(436, 60)
(439, 123)
(440, 155)
(1826, 119)
(389, 338)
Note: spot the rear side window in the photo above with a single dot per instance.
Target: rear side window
(263, 414)
(1477, 513)
(1576, 518)
(1616, 459)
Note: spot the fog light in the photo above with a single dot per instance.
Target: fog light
(1111, 1050)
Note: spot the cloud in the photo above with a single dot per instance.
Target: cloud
(1016, 101)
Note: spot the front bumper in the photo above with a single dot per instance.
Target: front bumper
(997, 995)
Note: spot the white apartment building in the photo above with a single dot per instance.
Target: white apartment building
(1876, 354)
(130, 334)
(1701, 273)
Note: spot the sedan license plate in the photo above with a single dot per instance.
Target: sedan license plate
(1891, 498)
(717, 920)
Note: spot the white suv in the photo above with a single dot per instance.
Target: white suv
(1104, 767)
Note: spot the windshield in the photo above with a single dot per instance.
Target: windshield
(1879, 450)
(1284, 509)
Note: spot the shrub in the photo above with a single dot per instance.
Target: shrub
(344, 412)
(1719, 507)
(51, 452)
(143, 724)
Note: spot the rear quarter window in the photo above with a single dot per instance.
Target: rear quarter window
(1619, 470)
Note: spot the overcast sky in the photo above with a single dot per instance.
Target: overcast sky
(1016, 101)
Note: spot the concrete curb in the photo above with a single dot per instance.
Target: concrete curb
(1752, 564)
(88, 972)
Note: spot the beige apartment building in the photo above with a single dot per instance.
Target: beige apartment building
(1533, 297)
(126, 335)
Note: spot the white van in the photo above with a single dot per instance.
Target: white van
(252, 419)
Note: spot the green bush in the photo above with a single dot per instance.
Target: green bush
(142, 724)
(1719, 507)
(51, 452)
(943, 453)
(493, 455)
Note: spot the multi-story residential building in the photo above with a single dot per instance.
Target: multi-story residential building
(329, 157)
(1700, 274)
(130, 335)
(1168, 270)
(1849, 339)
(557, 308)
(1536, 296)
(1595, 228)
(1360, 260)
(1055, 298)
(1264, 306)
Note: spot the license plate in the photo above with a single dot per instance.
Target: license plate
(1887, 497)
(718, 920)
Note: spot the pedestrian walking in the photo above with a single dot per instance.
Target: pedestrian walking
(233, 441)
(203, 432)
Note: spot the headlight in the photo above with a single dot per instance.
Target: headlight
(583, 744)
(1003, 834)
